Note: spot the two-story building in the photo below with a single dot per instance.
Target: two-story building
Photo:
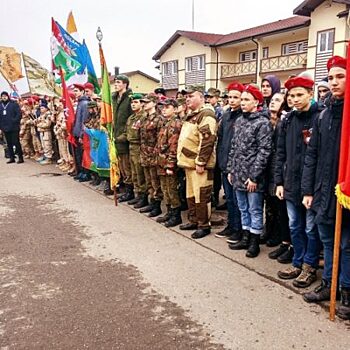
(303, 42)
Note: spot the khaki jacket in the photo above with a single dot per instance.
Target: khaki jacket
(196, 145)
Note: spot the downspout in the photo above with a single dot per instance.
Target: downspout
(257, 68)
(217, 68)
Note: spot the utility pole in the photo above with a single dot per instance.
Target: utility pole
(192, 14)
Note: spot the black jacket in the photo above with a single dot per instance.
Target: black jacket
(10, 116)
(320, 172)
(225, 135)
(250, 150)
(290, 154)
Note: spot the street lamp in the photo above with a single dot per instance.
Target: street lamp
(99, 35)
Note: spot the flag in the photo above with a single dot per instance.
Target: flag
(80, 53)
(106, 120)
(71, 26)
(62, 54)
(40, 80)
(10, 64)
(343, 186)
(96, 156)
(68, 111)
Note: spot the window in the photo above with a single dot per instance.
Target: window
(293, 48)
(325, 41)
(195, 63)
(169, 68)
(265, 52)
(247, 56)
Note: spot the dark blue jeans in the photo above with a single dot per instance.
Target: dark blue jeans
(304, 235)
(233, 213)
(250, 205)
(327, 238)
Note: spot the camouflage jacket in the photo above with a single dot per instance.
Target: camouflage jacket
(149, 136)
(197, 139)
(44, 122)
(133, 126)
(93, 121)
(24, 130)
(167, 144)
(60, 128)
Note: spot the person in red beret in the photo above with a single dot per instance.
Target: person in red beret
(294, 136)
(225, 136)
(247, 165)
(89, 89)
(320, 174)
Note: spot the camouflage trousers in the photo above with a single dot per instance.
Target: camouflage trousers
(153, 182)
(38, 148)
(198, 194)
(46, 142)
(137, 174)
(27, 146)
(169, 185)
(125, 169)
(63, 150)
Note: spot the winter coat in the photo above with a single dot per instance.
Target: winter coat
(10, 121)
(320, 171)
(293, 136)
(250, 150)
(149, 130)
(225, 135)
(81, 114)
(167, 144)
(196, 145)
(121, 112)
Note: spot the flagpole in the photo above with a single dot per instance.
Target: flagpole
(25, 69)
(335, 270)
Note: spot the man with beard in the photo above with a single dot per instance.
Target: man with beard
(10, 118)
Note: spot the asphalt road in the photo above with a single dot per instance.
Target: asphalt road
(76, 272)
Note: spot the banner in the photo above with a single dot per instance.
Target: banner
(40, 80)
(10, 64)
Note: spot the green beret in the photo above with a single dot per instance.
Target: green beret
(136, 96)
(123, 78)
(181, 101)
(92, 104)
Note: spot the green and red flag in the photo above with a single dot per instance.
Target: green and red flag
(106, 121)
(343, 186)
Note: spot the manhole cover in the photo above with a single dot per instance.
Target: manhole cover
(47, 174)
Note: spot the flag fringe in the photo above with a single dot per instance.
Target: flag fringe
(343, 199)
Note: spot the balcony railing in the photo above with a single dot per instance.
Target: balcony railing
(281, 63)
(272, 64)
(238, 69)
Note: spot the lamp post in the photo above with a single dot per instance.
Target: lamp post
(99, 36)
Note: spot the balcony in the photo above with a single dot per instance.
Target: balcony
(238, 69)
(272, 64)
(283, 63)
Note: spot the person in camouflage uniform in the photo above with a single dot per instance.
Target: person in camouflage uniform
(43, 124)
(196, 154)
(25, 134)
(133, 126)
(149, 135)
(167, 163)
(38, 149)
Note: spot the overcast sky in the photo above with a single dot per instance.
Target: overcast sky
(133, 30)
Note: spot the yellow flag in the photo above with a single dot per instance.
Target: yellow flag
(71, 26)
(10, 64)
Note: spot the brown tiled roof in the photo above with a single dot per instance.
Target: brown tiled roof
(269, 28)
(221, 39)
(307, 6)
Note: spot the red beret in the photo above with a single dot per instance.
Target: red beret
(299, 82)
(89, 86)
(253, 90)
(235, 85)
(336, 61)
(35, 98)
(79, 86)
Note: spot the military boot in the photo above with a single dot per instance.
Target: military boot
(143, 202)
(128, 195)
(135, 200)
(175, 218)
(165, 217)
(243, 243)
(156, 209)
(253, 249)
(148, 208)
(344, 309)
